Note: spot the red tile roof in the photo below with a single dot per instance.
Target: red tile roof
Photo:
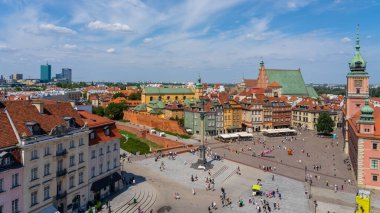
(54, 113)
(7, 135)
(274, 84)
(250, 83)
(97, 124)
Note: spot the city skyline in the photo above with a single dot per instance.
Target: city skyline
(176, 41)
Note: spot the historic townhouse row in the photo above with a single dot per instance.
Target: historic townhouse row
(48, 145)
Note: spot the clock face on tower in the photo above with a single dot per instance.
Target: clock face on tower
(358, 83)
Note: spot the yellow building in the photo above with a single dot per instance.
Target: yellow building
(232, 116)
(168, 95)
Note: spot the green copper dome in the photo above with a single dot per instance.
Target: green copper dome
(367, 109)
(367, 113)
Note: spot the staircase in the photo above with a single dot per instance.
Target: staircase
(145, 195)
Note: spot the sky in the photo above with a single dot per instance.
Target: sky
(177, 40)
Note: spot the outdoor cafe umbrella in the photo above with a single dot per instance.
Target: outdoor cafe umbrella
(256, 187)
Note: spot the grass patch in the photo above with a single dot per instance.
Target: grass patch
(174, 134)
(135, 144)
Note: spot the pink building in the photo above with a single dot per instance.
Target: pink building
(11, 171)
(362, 125)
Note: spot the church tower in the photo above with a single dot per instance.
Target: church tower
(357, 82)
(262, 79)
(198, 89)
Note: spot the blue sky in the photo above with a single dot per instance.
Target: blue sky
(175, 40)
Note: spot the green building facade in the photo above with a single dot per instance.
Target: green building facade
(45, 73)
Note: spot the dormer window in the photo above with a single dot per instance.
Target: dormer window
(34, 128)
(70, 121)
(107, 130)
(5, 159)
(92, 135)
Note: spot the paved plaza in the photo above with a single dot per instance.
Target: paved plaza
(176, 177)
(309, 150)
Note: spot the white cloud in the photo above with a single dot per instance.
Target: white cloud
(70, 46)
(345, 40)
(115, 27)
(56, 29)
(291, 5)
(110, 50)
(147, 40)
(3, 46)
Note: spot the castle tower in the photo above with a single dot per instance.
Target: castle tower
(357, 83)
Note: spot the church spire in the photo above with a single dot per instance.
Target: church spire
(357, 39)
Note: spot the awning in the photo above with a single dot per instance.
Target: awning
(256, 187)
(104, 182)
(244, 134)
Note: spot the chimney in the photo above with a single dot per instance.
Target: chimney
(39, 106)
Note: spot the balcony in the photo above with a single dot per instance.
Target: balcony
(61, 153)
(61, 172)
(61, 195)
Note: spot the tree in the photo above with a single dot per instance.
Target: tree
(325, 124)
(98, 111)
(114, 111)
(135, 96)
(118, 94)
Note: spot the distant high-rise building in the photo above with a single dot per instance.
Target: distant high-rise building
(66, 73)
(16, 77)
(45, 73)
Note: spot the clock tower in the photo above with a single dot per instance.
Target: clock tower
(357, 83)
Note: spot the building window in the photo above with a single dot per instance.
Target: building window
(114, 147)
(81, 142)
(176, 98)
(93, 154)
(81, 160)
(168, 98)
(71, 182)
(93, 171)
(101, 168)
(108, 165)
(34, 155)
(72, 144)
(34, 173)
(108, 149)
(15, 180)
(46, 192)
(1, 185)
(1, 209)
(114, 163)
(374, 164)
(60, 148)
(374, 145)
(47, 150)
(357, 90)
(80, 177)
(107, 131)
(151, 98)
(375, 178)
(47, 169)
(184, 97)
(33, 198)
(15, 206)
(72, 160)
(92, 135)
(101, 152)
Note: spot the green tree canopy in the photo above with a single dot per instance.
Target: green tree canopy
(325, 124)
(114, 111)
(98, 111)
(118, 94)
(135, 96)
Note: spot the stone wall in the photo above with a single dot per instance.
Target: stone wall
(155, 122)
(162, 141)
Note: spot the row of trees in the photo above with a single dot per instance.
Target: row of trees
(112, 111)
(132, 96)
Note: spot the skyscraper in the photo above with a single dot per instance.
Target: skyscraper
(45, 73)
(66, 74)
